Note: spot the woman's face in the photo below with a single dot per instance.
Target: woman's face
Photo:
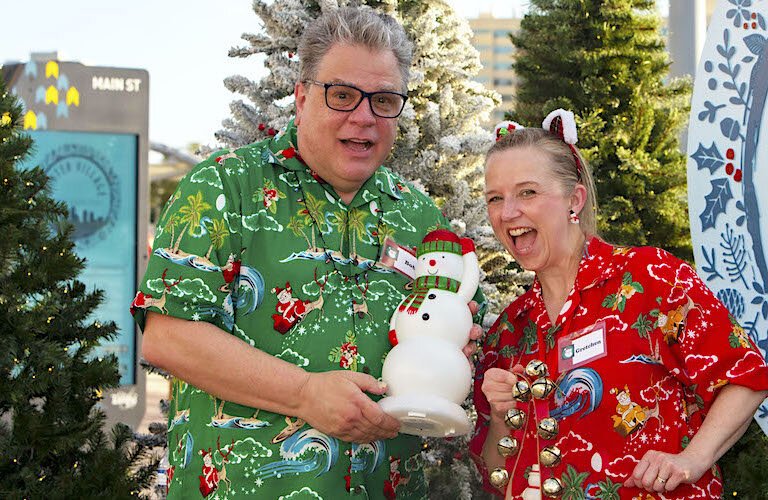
(529, 210)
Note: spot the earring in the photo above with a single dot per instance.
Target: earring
(573, 217)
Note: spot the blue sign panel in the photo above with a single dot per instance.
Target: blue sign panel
(94, 174)
(727, 174)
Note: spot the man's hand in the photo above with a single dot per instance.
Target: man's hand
(497, 387)
(474, 334)
(335, 403)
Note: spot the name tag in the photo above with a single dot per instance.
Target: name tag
(581, 347)
(399, 258)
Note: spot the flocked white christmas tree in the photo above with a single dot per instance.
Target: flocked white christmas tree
(440, 146)
(441, 143)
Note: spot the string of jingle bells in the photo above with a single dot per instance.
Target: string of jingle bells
(547, 428)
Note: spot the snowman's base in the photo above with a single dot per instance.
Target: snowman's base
(427, 415)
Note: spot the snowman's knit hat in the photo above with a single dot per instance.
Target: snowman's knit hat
(440, 240)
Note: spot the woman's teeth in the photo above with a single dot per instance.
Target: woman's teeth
(519, 231)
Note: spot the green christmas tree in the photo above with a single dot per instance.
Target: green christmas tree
(51, 440)
(745, 464)
(606, 61)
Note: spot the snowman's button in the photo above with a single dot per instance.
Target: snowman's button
(431, 296)
(425, 317)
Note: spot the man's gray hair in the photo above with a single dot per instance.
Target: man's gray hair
(353, 26)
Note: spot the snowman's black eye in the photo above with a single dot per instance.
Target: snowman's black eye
(431, 296)
(425, 317)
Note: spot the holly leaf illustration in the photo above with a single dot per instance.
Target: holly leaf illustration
(716, 200)
(708, 158)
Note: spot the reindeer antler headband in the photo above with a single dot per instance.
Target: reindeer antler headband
(559, 122)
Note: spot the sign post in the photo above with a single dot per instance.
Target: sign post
(90, 131)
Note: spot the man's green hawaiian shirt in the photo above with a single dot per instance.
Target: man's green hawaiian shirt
(254, 242)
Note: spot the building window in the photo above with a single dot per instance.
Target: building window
(502, 66)
(503, 49)
(503, 82)
(501, 34)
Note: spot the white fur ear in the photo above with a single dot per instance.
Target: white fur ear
(569, 124)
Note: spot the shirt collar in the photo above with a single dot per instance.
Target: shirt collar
(601, 261)
(284, 151)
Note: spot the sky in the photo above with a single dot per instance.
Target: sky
(183, 44)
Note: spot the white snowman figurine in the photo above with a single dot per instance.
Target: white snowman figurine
(426, 372)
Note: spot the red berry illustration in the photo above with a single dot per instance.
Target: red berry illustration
(730, 154)
(746, 26)
(729, 168)
(754, 25)
(737, 175)
(754, 15)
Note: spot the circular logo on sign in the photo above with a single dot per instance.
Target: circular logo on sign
(85, 181)
(728, 166)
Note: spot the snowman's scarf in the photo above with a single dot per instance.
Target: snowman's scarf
(413, 302)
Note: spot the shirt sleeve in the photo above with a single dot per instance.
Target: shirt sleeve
(195, 260)
(489, 358)
(708, 347)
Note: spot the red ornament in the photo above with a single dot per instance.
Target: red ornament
(289, 153)
(290, 55)
(262, 126)
(271, 132)
(730, 154)
(729, 168)
(737, 175)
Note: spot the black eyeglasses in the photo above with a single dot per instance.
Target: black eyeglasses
(347, 98)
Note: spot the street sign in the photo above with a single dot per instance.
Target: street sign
(90, 130)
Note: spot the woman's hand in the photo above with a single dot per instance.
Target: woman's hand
(497, 387)
(474, 335)
(658, 471)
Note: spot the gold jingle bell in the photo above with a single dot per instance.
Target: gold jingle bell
(515, 418)
(550, 456)
(536, 368)
(542, 388)
(548, 428)
(552, 487)
(522, 391)
(499, 477)
(507, 446)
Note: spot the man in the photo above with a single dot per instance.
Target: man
(268, 298)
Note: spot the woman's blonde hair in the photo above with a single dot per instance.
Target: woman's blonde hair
(564, 167)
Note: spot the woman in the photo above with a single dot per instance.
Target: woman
(597, 381)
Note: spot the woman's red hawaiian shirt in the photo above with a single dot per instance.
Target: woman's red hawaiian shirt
(638, 354)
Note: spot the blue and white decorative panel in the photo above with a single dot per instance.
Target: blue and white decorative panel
(728, 166)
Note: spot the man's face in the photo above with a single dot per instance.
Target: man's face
(346, 148)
